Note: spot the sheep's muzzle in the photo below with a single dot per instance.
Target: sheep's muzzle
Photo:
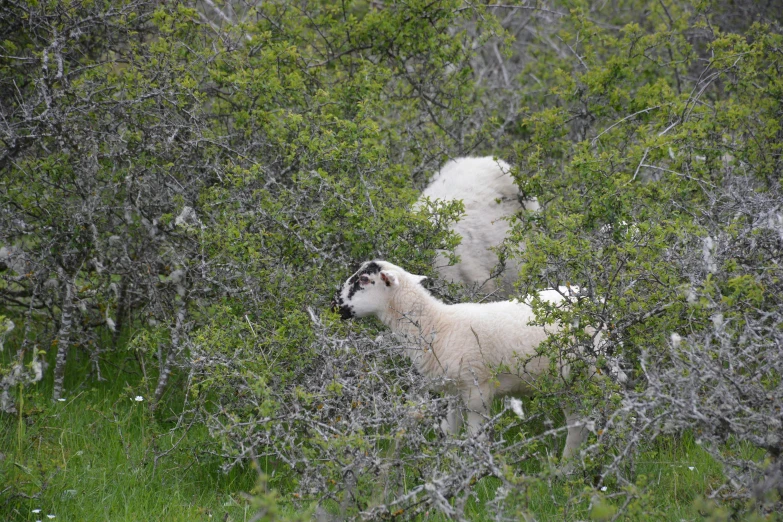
(338, 306)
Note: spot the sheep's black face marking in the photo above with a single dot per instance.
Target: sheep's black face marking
(355, 281)
(338, 305)
(345, 302)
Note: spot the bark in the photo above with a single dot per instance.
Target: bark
(122, 309)
(64, 333)
(174, 349)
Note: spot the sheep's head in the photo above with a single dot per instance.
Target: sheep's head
(367, 292)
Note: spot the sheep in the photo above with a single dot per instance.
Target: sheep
(466, 343)
(490, 197)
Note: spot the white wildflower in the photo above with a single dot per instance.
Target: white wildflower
(37, 370)
(36, 511)
(603, 488)
(138, 398)
(691, 468)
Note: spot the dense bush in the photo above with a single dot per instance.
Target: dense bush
(156, 164)
(187, 183)
(659, 170)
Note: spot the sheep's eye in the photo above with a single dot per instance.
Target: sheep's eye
(364, 279)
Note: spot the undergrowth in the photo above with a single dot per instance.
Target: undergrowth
(92, 456)
(100, 454)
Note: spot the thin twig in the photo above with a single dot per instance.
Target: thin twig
(648, 109)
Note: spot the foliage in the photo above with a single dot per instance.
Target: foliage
(182, 186)
(659, 172)
(156, 165)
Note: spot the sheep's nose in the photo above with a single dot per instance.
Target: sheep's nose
(345, 313)
(338, 306)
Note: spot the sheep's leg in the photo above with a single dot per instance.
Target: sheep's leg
(477, 399)
(453, 421)
(577, 434)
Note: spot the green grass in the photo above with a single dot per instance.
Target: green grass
(92, 457)
(676, 473)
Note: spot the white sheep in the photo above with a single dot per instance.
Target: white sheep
(484, 350)
(490, 197)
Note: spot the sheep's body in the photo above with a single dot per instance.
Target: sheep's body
(490, 197)
(468, 343)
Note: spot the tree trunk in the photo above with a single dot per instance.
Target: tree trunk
(122, 302)
(171, 354)
(64, 334)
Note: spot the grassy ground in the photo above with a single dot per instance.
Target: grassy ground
(677, 473)
(92, 457)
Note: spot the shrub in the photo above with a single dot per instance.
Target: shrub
(192, 180)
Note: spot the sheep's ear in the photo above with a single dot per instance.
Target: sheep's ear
(390, 278)
(418, 278)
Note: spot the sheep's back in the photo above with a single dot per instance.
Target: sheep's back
(485, 336)
(473, 180)
(490, 197)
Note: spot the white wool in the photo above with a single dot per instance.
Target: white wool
(465, 343)
(516, 407)
(490, 197)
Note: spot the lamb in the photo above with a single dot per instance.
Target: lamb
(490, 196)
(466, 343)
